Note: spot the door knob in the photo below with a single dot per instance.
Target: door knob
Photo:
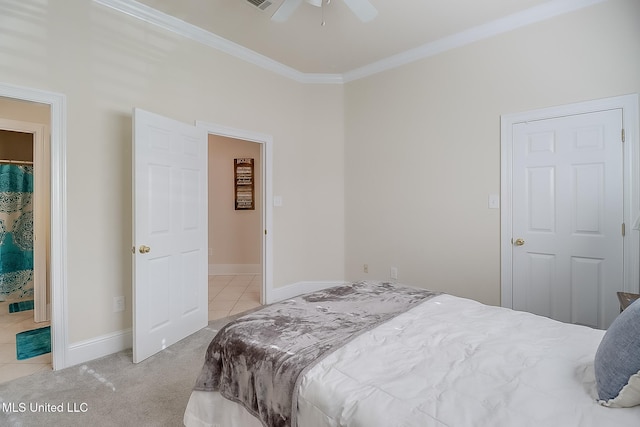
(519, 242)
(144, 249)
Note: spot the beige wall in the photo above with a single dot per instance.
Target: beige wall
(24, 111)
(18, 145)
(235, 236)
(423, 142)
(106, 63)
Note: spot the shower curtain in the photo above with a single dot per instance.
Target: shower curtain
(16, 232)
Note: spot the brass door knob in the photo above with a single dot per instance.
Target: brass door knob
(519, 242)
(144, 249)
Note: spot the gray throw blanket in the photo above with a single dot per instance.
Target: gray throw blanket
(259, 359)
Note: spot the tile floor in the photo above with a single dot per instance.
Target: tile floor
(228, 295)
(232, 294)
(10, 325)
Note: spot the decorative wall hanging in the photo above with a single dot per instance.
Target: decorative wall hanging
(244, 184)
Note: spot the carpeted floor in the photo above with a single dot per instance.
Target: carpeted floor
(111, 391)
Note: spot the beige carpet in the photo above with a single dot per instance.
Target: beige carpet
(110, 391)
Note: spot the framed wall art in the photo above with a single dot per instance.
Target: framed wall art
(244, 184)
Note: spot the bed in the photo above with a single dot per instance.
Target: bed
(412, 357)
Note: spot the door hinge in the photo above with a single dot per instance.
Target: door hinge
(265, 232)
(623, 229)
(622, 134)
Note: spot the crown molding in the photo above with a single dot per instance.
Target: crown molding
(530, 16)
(190, 31)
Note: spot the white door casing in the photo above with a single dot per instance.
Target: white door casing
(170, 232)
(42, 167)
(585, 269)
(567, 217)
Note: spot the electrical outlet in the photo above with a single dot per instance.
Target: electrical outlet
(118, 304)
(365, 268)
(394, 273)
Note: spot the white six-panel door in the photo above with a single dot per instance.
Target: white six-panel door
(567, 217)
(170, 232)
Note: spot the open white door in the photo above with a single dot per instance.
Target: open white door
(170, 232)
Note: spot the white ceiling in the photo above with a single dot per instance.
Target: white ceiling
(345, 44)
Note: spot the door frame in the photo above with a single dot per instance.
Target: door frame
(58, 213)
(266, 157)
(631, 176)
(40, 169)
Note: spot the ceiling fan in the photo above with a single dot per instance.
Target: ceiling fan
(363, 9)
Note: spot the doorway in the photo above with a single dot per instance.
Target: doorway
(235, 237)
(166, 148)
(24, 238)
(568, 194)
(58, 211)
(265, 192)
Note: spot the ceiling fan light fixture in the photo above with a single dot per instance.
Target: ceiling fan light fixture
(363, 9)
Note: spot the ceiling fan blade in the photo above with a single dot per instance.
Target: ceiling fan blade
(363, 9)
(285, 10)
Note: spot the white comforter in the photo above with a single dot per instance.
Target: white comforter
(448, 362)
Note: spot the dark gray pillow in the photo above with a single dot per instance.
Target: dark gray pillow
(617, 361)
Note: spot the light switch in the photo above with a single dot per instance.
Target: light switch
(494, 201)
(277, 200)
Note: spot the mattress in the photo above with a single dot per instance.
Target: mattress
(449, 361)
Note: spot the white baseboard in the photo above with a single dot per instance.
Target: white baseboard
(299, 288)
(222, 269)
(85, 351)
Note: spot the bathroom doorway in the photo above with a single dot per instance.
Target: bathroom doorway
(25, 338)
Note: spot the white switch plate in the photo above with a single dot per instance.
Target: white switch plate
(118, 304)
(494, 201)
(277, 200)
